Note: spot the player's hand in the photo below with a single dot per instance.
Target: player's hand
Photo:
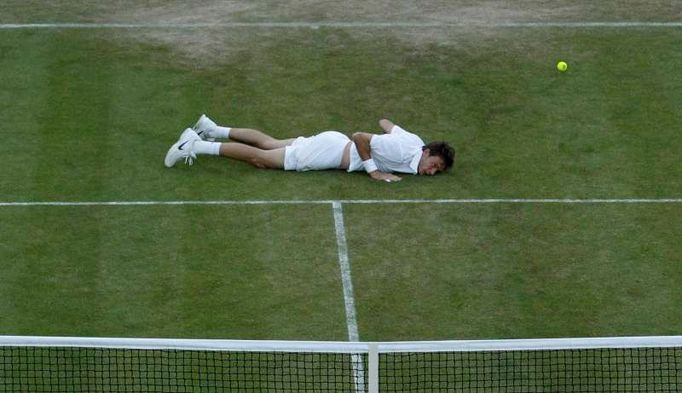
(387, 177)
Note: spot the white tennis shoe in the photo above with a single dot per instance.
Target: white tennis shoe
(183, 148)
(204, 127)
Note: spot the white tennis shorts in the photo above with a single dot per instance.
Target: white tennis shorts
(315, 153)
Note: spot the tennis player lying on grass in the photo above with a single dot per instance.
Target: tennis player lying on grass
(380, 155)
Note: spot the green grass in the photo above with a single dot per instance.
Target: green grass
(104, 115)
(515, 271)
(205, 272)
(87, 115)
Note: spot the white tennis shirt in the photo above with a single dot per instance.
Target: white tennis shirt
(397, 151)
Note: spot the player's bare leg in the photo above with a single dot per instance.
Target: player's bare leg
(191, 144)
(260, 158)
(208, 130)
(252, 146)
(258, 139)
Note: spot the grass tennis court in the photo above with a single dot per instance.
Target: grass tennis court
(125, 271)
(87, 115)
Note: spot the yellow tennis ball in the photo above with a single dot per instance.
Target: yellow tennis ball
(561, 66)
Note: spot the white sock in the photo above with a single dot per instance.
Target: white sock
(220, 132)
(210, 148)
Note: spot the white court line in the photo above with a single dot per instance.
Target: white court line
(348, 298)
(345, 25)
(351, 201)
(344, 265)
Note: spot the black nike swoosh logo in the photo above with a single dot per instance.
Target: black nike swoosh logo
(183, 144)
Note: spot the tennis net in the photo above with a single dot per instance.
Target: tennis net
(626, 364)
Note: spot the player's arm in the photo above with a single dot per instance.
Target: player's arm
(362, 143)
(386, 125)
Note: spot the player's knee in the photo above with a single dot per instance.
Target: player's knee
(268, 159)
(267, 145)
(258, 162)
(263, 161)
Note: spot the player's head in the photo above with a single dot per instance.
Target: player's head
(436, 157)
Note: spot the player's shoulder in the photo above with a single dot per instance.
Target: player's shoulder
(398, 130)
(405, 135)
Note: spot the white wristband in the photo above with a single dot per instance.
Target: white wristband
(369, 165)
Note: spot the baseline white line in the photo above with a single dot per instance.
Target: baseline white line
(518, 200)
(348, 298)
(348, 201)
(332, 24)
(154, 203)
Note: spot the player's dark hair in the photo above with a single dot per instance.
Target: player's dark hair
(442, 150)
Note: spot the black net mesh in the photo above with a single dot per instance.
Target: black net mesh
(37, 369)
(571, 370)
(70, 369)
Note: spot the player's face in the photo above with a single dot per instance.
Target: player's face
(430, 165)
